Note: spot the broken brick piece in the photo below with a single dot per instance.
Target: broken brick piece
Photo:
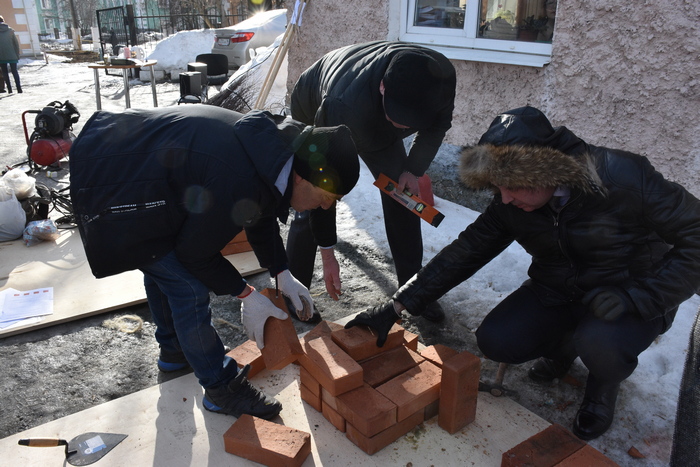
(334, 417)
(331, 366)
(413, 390)
(459, 389)
(381, 368)
(248, 353)
(324, 328)
(367, 410)
(585, 457)
(410, 340)
(373, 444)
(438, 353)
(282, 345)
(548, 447)
(266, 442)
(360, 342)
(314, 400)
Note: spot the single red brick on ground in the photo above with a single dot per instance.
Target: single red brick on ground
(547, 448)
(267, 443)
(459, 390)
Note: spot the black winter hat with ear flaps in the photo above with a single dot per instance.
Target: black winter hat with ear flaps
(327, 158)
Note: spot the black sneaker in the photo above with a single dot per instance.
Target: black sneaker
(433, 312)
(239, 397)
(315, 317)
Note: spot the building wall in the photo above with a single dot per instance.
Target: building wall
(622, 74)
(21, 15)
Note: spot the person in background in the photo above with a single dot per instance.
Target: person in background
(615, 250)
(384, 92)
(164, 190)
(9, 55)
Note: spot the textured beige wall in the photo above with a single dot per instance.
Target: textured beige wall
(623, 74)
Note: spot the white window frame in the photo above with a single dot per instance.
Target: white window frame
(463, 44)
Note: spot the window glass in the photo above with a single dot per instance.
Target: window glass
(521, 20)
(440, 13)
(517, 32)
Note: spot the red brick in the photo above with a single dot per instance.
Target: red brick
(360, 342)
(548, 447)
(367, 410)
(432, 410)
(248, 353)
(310, 398)
(413, 390)
(324, 328)
(309, 381)
(386, 437)
(438, 353)
(267, 443)
(326, 397)
(333, 368)
(587, 456)
(282, 345)
(459, 388)
(381, 368)
(332, 416)
(410, 340)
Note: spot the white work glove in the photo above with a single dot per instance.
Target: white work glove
(255, 310)
(297, 293)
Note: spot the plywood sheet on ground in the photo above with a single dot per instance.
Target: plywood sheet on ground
(77, 293)
(167, 426)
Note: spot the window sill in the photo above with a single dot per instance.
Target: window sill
(491, 56)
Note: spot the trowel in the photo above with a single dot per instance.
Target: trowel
(84, 449)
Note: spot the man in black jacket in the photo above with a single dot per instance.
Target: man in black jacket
(614, 246)
(383, 92)
(164, 190)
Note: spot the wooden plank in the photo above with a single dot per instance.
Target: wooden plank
(77, 293)
(167, 426)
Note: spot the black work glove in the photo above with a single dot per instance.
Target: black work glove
(380, 318)
(608, 303)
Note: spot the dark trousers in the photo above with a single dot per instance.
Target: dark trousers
(15, 74)
(520, 329)
(403, 231)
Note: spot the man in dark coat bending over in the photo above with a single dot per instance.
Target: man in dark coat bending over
(615, 250)
(383, 92)
(164, 190)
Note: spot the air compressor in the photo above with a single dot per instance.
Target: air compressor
(53, 133)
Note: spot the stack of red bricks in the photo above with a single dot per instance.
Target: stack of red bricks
(376, 395)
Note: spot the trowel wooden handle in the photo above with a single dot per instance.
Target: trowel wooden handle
(42, 442)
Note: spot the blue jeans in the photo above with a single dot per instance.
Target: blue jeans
(179, 304)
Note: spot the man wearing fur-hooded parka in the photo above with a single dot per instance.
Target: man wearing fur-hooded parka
(615, 250)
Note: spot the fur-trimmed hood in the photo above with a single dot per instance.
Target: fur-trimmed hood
(488, 166)
(521, 149)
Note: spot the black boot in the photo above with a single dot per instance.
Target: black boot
(545, 370)
(595, 415)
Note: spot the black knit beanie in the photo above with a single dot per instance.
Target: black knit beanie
(327, 158)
